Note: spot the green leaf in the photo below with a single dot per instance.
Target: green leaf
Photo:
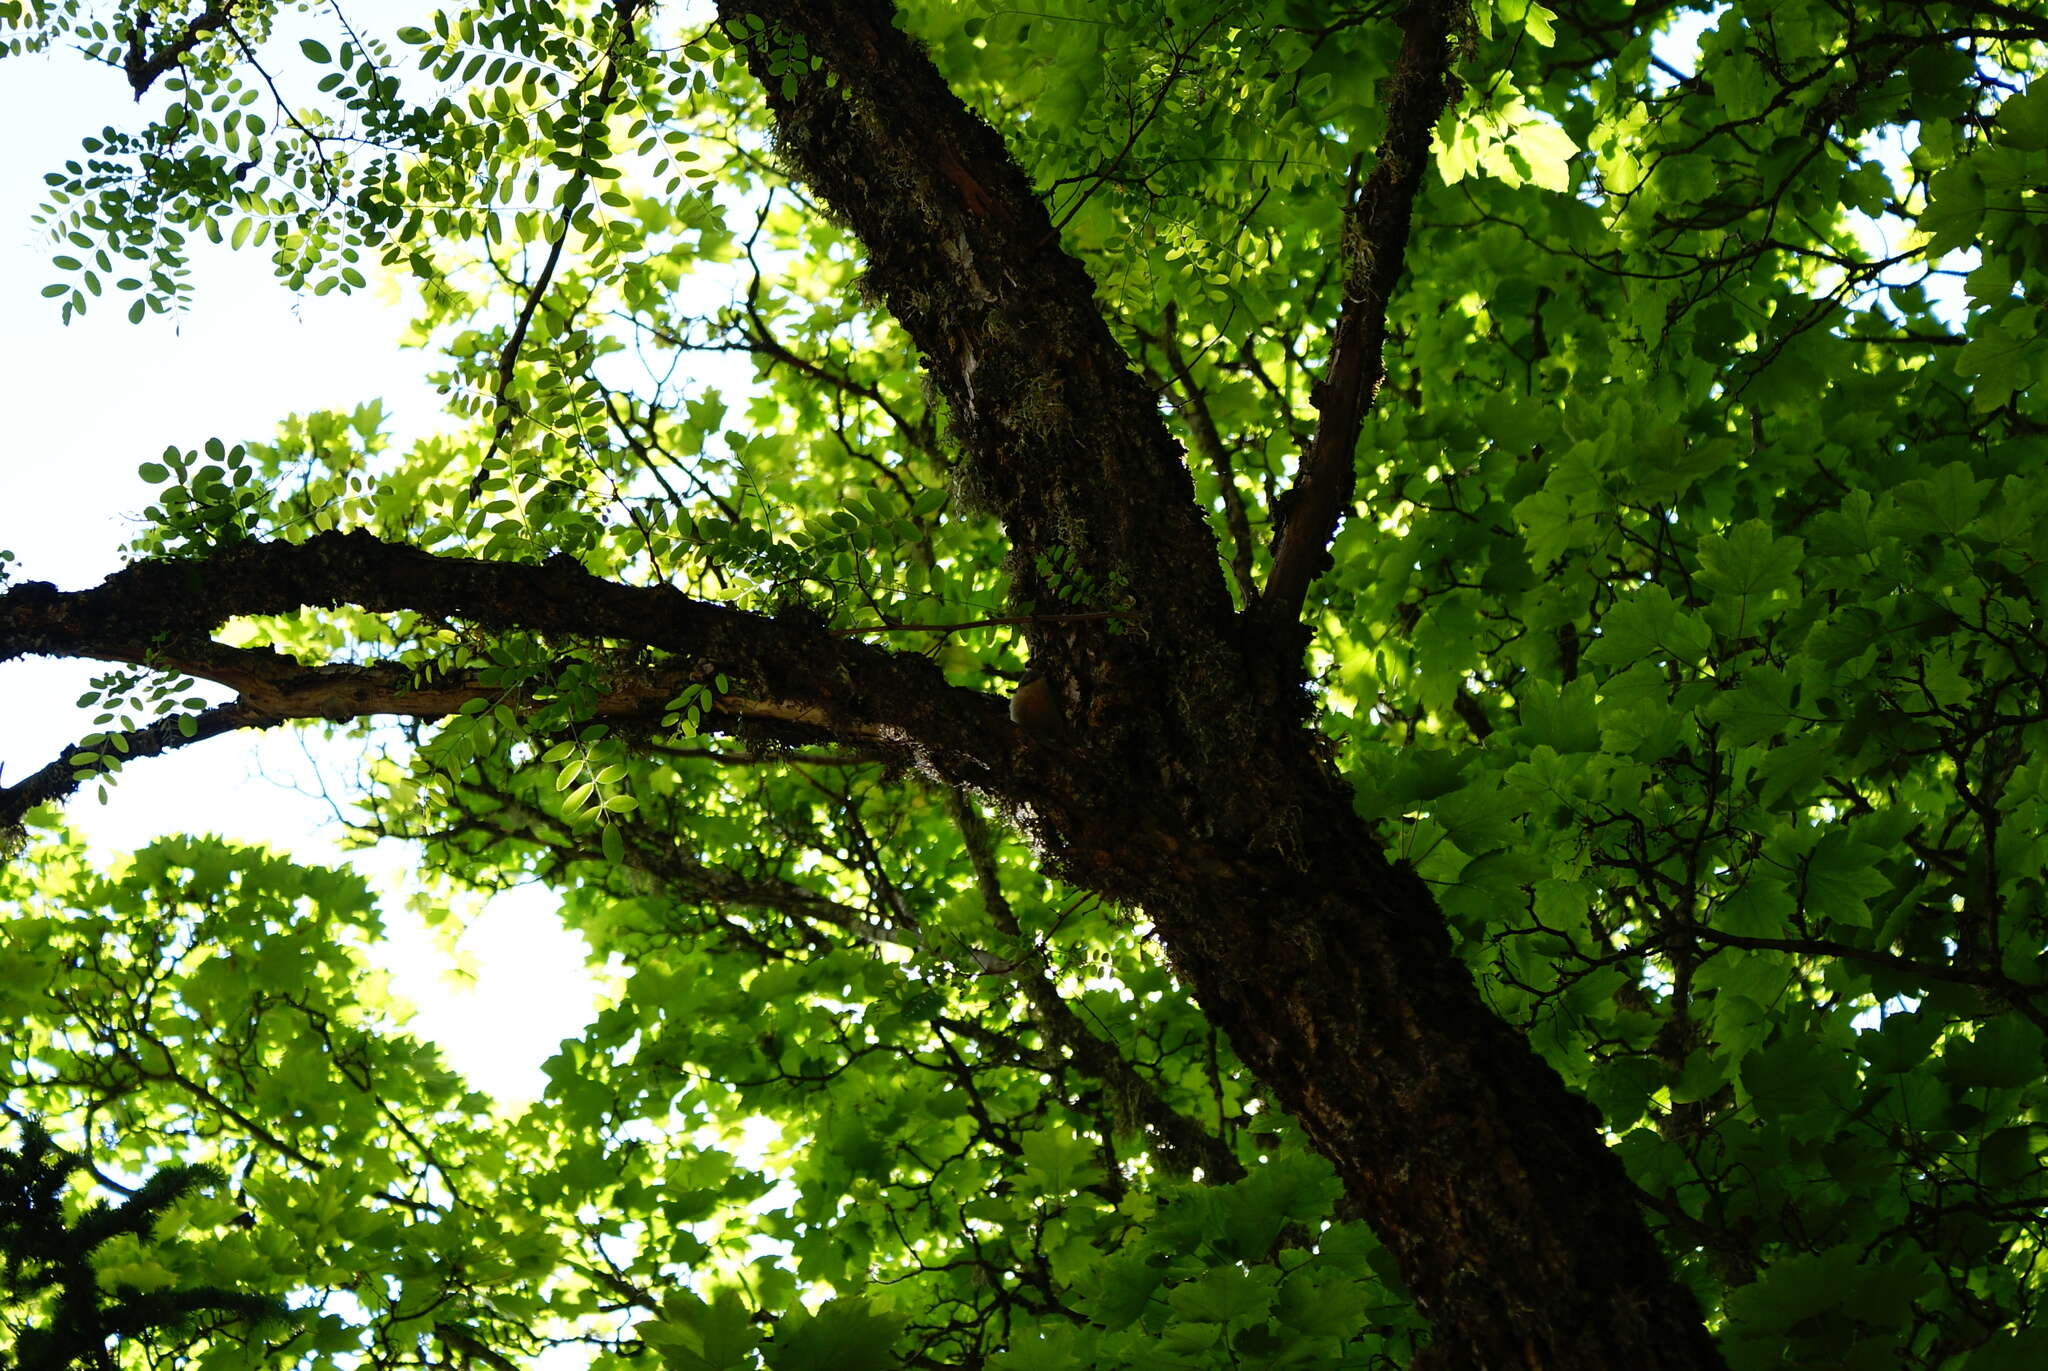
(1223, 1295)
(2023, 119)
(843, 1335)
(1060, 1161)
(1749, 561)
(2004, 1052)
(695, 1335)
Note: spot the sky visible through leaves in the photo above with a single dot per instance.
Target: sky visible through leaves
(247, 354)
(499, 983)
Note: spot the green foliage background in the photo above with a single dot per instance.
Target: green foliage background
(1688, 640)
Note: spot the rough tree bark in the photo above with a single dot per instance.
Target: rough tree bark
(1189, 783)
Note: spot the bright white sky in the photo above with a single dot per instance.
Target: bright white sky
(86, 405)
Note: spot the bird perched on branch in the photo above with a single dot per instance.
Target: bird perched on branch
(1035, 707)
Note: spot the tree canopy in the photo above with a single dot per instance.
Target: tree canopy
(1533, 850)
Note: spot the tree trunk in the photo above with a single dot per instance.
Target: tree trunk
(1190, 785)
(1514, 1225)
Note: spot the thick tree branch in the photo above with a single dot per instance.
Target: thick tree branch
(1064, 442)
(788, 672)
(1375, 249)
(143, 68)
(275, 689)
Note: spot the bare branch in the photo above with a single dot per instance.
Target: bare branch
(1194, 404)
(2018, 994)
(1185, 1140)
(683, 875)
